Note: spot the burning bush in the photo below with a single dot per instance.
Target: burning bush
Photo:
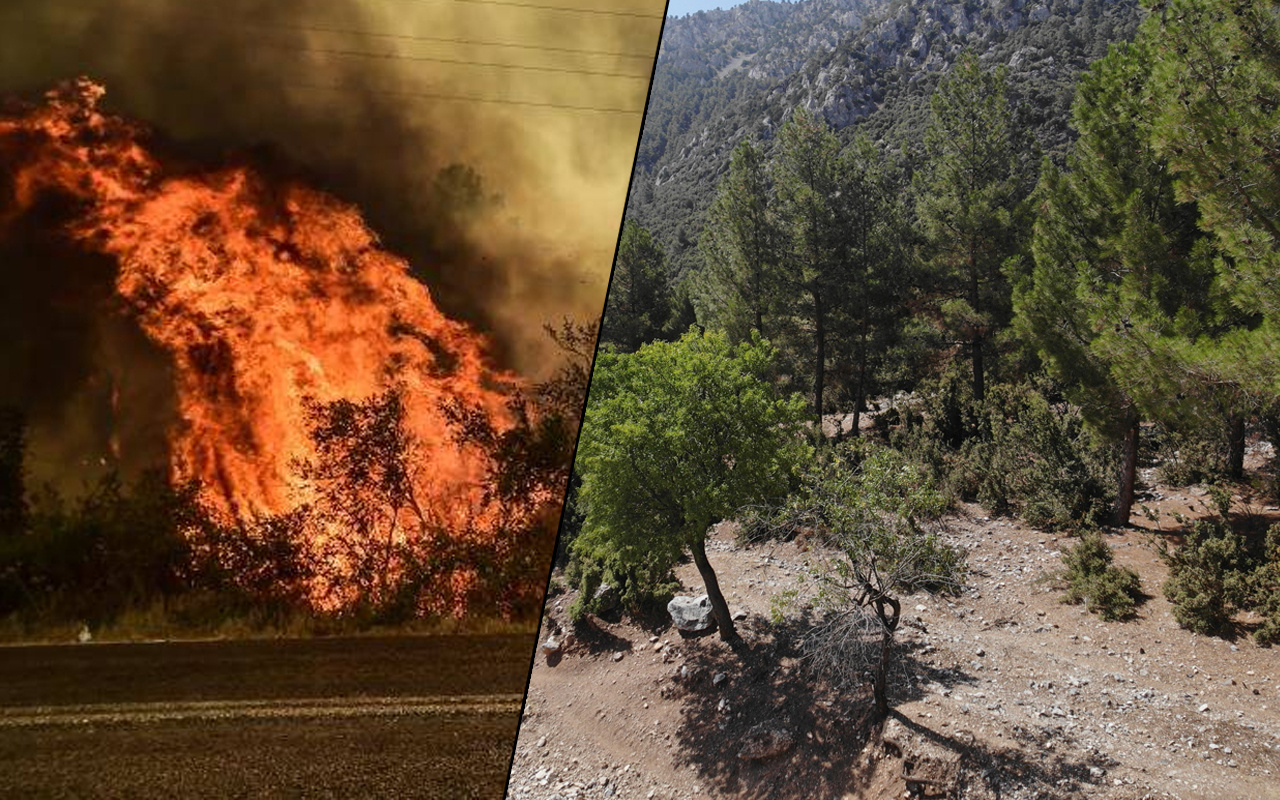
(345, 444)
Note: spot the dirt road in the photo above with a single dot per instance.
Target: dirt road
(359, 717)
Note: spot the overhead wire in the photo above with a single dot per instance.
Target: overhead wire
(543, 7)
(471, 98)
(459, 62)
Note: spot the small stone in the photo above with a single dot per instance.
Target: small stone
(617, 656)
(979, 652)
(719, 678)
(1203, 708)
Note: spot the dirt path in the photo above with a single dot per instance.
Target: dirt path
(1005, 693)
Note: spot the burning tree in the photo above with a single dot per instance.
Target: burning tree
(530, 464)
(881, 516)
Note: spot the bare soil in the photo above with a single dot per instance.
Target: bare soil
(1001, 692)
(342, 717)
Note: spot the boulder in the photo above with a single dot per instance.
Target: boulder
(605, 598)
(692, 614)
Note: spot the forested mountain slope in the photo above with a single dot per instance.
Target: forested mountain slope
(863, 65)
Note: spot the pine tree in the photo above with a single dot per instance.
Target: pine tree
(639, 299)
(1121, 283)
(870, 310)
(738, 288)
(1217, 76)
(971, 203)
(808, 197)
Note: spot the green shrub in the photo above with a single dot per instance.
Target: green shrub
(1017, 453)
(1207, 574)
(1188, 458)
(1218, 572)
(643, 582)
(1107, 590)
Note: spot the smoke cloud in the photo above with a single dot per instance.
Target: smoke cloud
(293, 83)
(341, 94)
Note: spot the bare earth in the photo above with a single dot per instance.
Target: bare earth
(1004, 693)
(359, 717)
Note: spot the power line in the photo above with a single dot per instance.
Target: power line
(522, 4)
(459, 61)
(468, 98)
(408, 37)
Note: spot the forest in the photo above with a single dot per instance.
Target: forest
(872, 333)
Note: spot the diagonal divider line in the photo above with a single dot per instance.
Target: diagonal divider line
(289, 708)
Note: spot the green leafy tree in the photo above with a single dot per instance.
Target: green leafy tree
(738, 287)
(677, 437)
(971, 208)
(639, 300)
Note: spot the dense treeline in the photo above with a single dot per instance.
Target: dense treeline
(1022, 325)
(872, 78)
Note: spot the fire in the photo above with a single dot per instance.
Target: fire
(262, 295)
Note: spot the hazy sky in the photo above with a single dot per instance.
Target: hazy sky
(678, 8)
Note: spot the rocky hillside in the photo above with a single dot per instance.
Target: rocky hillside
(865, 65)
(766, 39)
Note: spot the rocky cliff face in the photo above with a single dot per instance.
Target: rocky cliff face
(864, 65)
(766, 39)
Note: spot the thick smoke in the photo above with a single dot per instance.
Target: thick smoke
(280, 84)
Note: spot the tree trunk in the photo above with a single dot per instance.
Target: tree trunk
(881, 686)
(975, 302)
(1128, 472)
(1235, 449)
(718, 605)
(860, 393)
(979, 382)
(820, 334)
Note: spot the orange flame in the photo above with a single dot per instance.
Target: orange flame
(262, 295)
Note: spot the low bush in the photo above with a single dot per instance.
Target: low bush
(639, 583)
(1219, 572)
(1107, 590)
(1015, 453)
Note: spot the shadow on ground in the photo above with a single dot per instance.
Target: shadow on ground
(767, 682)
